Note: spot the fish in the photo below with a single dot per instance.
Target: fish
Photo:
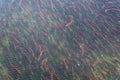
(40, 54)
(70, 22)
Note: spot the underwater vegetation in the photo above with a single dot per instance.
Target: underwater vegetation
(59, 40)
